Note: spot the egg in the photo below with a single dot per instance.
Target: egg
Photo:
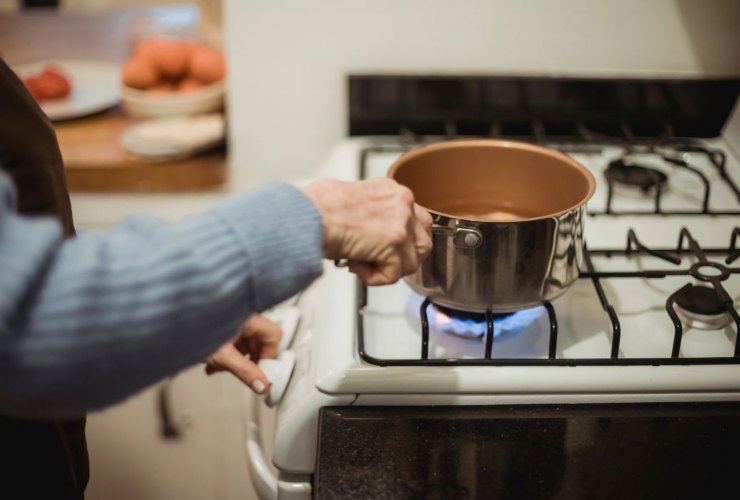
(139, 73)
(207, 65)
(189, 84)
(170, 56)
(146, 49)
(190, 46)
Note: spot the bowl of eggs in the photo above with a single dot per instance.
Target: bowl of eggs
(168, 77)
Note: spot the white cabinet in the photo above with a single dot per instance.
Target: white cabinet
(130, 459)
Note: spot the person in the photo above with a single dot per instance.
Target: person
(86, 321)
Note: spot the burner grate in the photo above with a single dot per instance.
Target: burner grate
(670, 152)
(709, 272)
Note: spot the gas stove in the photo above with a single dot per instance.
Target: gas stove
(656, 293)
(649, 330)
(657, 258)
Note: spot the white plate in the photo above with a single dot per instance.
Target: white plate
(95, 87)
(169, 138)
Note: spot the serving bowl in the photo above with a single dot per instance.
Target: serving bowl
(150, 104)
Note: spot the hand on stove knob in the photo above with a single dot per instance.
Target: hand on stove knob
(259, 337)
(375, 225)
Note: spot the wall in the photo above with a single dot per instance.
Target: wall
(288, 59)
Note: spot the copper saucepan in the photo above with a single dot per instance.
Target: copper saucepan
(508, 222)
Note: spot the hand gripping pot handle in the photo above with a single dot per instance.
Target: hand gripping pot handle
(462, 237)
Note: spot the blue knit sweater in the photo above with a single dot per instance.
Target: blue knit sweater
(88, 321)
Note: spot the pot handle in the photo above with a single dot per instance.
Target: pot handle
(462, 237)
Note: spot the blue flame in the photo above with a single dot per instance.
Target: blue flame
(460, 326)
(469, 327)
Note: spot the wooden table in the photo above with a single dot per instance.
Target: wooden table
(93, 156)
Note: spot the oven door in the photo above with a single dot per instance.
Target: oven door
(554, 451)
(269, 483)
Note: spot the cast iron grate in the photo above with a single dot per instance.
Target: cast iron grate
(699, 270)
(676, 153)
(590, 141)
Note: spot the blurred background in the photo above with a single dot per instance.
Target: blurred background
(260, 93)
(182, 438)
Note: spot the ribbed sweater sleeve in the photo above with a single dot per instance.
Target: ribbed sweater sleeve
(88, 321)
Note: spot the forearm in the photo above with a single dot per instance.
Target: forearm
(116, 312)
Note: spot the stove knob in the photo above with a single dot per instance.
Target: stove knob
(287, 318)
(278, 372)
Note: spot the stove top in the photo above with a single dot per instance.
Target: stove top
(659, 292)
(658, 296)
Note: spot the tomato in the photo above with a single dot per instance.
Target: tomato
(53, 84)
(32, 84)
(48, 84)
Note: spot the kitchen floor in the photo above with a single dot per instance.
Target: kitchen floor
(130, 459)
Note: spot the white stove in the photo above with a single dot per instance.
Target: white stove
(389, 317)
(363, 346)
(330, 370)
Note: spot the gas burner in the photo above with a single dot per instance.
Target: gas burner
(701, 308)
(461, 315)
(625, 174)
(472, 325)
(465, 323)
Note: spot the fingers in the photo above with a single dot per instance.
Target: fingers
(404, 238)
(411, 248)
(377, 275)
(422, 232)
(375, 224)
(263, 336)
(259, 337)
(408, 245)
(230, 359)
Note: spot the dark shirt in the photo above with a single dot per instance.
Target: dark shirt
(43, 458)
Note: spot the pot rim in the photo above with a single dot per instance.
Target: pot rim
(499, 143)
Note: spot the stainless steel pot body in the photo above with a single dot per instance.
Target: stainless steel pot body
(508, 222)
(501, 266)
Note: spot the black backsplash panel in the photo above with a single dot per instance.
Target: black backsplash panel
(512, 106)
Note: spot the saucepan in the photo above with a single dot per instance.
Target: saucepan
(508, 222)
